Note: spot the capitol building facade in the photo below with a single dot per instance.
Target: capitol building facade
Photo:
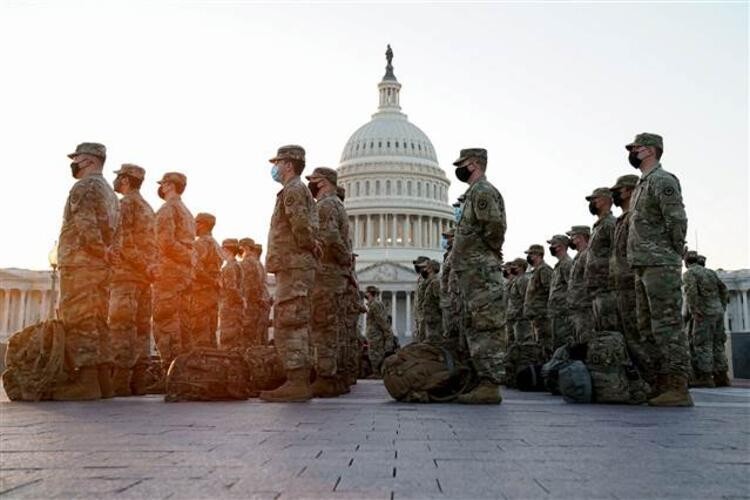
(396, 199)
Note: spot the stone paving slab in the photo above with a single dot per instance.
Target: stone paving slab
(366, 446)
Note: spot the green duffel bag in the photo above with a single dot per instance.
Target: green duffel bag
(207, 374)
(574, 382)
(613, 377)
(266, 369)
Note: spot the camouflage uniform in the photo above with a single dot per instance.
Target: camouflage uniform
(206, 286)
(477, 261)
(354, 307)
(421, 333)
(87, 233)
(579, 296)
(232, 302)
(253, 286)
(596, 272)
(535, 302)
(264, 306)
(449, 296)
(656, 239)
(520, 324)
(291, 247)
(557, 303)
(133, 264)
(175, 236)
(379, 334)
(432, 312)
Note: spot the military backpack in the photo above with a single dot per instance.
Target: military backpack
(207, 374)
(266, 371)
(575, 383)
(613, 378)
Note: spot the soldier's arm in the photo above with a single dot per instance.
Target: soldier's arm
(546, 278)
(165, 230)
(88, 219)
(330, 235)
(672, 208)
(691, 290)
(147, 241)
(300, 218)
(490, 212)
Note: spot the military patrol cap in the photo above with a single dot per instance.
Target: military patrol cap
(579, 230)
(90, 148)
(450, 233)
(535, 249)
(372, 289)
(326, 173)
(559, 239)
(629, 180)
(231, 243)
(519, 262)
(470, 153)
(341, 192)
(601, 192)
(131, 170)
(289, 152)
(691, 254)
(247, 242)
(173, 177)
(205, 218)
(646, 139)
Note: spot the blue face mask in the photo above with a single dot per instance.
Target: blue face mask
(444, 243)
(457, 211)
(276, 173)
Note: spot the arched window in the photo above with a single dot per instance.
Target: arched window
(377, 188)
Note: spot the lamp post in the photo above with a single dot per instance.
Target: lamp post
(52, 259)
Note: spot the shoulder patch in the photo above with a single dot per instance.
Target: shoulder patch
(669, 191)
(482, 204)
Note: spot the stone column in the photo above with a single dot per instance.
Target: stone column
(357, 231)
(368, 243)
(394, 296)
(407, 229)
(408, 314)
(419, 242)
(381, 230)
(746, 310)
(394, 228)
(5, 316)
(19, 312)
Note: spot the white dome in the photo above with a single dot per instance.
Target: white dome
(389, 134)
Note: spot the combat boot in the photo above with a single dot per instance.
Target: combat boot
(343, 381)
(486, 393)
(721, 379)
(84, 387)
(325, 387)
(295, 389)
(121, 382)
(703, 379)
(138, 382)
(676, 394)
(659, 386)
(105, 381)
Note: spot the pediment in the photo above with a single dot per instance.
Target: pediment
(386, 272)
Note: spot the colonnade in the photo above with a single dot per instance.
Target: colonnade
(401, 230)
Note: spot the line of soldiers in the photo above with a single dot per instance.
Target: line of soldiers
(125, 270)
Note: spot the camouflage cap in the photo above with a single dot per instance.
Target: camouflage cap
(419, 261)
(341, 192)
(372, 289)
(559, 239)
(470, 153)
(646, 139)
(289, 152)
(90, 148)
(691, 254)
(579, 230)
(326, 173)
(174, 177)
(231, 243)
(205, 218)
(450, 232)
(247, 242)
(601, 192)
(519, 262)
(629, 180)
(535, 249)
(131, 170)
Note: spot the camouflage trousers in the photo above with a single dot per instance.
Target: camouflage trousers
(641, 349)
(262, 322)
(84, 298)
(130, 322)
(522, 331)
(708, 344)
(291, 318)
(171, 318)
(231, 333)
(354, 351)
(604, 308)
(563, 331)
(204, 316)
(583, 323)
(250, 318)
(326, 327)
(376, 349)
(482, 299)
(658, 297)
(543, 335)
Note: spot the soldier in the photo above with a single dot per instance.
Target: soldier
(330, 283)
(266, 301)
(622, 281)
(519, 282)
(354, 307)
(557, 304)
(656, 241)
(537, 295)
(133, 267)
(419, 264)
(596, 271)
(252, 291)
(206, 287)
(579, 296)
(432, 313)
(379, 333)
(232, 301)
(449, 297)
(87, 233)
(477, 260)
(293, 252)
(175, 237)
(706, 297)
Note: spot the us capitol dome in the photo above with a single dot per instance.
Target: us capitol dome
(396, 199)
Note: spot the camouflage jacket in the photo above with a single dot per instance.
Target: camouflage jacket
(354, 301)
(254, 289)
(334, 235)
(658, 222)
(208, 262)
(516, 297)
(134, 245)
(596, 272)
(579, 296)
(705, 293)
(480, 232)
(432, 312)
(621, 275)
(558, 288)
(418, 308)
(175, 237)
(294, 229)
(537, 292)
(377, 321)
(89, 223)
(231, 285)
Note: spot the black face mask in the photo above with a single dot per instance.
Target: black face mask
(314, 189)
(506, 274)
(75, 167)
(160, 192)
(592, 208)
(529, 260)
(463, 174)
(572, 245)
(633, 159)
(617, 198)
(690, 262)
(424, 274)
(551, 250)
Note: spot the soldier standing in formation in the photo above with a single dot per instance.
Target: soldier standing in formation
(232, 302)
(520, 327)
(450, 302)
(330, 283)
(596, 273)
(477, 260)
(432, 313)
(206, 287)
(579, 297)
(293, 254)
(266, 301)
(419, 264)
(561, 328)
(656, 242)
(537, 295)
(133, 266)
(379, 333)
(251, 291)
(87, 233)
(175, 237)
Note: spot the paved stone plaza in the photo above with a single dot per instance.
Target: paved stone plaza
(364, 445)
